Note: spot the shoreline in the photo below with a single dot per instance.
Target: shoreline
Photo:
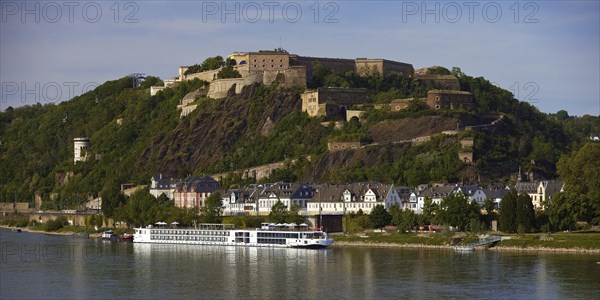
(341, 244)
(66, 233)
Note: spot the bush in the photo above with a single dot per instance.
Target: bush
(58, 223)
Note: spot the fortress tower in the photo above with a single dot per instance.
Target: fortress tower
(81, 145)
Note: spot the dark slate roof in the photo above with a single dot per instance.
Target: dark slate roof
(279, 189)
(495, 193)
(468, 190)
(437, 191)
(552, 187)
(335, 193)
(303, 191)
(198, 184)
(163, 182)
(241, 195)
(527, 187)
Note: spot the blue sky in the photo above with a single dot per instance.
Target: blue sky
(547, 53)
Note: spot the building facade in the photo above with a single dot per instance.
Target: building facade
(331, 102)
(192, 192)
(351, 198)
(80, 151)
(438, 99)
(163, 185)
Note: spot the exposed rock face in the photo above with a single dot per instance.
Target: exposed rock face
(406, 129)
(268, 127)
(214, 129)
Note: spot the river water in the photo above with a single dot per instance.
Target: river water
(45, 267)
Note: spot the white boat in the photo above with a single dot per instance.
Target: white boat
(464, 248)
(107, 235)
(224, 234)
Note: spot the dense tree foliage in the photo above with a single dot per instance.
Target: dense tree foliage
(112, 198)
(516, 213)
(580, 200)
(211, 63)
(379, 217)
(405, 219)
(142, 209)
(280, 214)
(508, 209)
(525, 214)
(212, 209)
(37, 142)
(228, 72)
(456, 211)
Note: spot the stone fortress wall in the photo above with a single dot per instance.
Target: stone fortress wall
(291, 69)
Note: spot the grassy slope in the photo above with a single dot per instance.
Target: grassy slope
(557, 241)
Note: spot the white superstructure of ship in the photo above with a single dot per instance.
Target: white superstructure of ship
(269, 235)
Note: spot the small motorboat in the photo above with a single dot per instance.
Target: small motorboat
(108, 235)
(128, 237)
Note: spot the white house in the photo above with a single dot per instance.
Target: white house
(473, 192)
(240, 201)
(540, 191)
(162, 185)
(436, 193)
(343, 199)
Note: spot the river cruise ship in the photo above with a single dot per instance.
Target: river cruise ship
(269, 235)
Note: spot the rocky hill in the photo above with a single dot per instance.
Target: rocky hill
(134, 136)
(210, 133)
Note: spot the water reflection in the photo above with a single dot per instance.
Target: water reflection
(40, 266)
(233, 272)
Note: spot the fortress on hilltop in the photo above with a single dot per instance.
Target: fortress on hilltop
(290, 69)
(268, 66)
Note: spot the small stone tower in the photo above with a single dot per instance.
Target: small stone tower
(81, 145)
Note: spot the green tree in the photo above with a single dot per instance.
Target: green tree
(562, 115)
(508, 212)
(230, 62)
(111, 199)
(580, 171)
(525, 214)
(278, 213)
(408, 220)
(319, 72)
(228, 72)
(456, 71)
(429, 211)
(379, 217)
(139, 209)
(293, 216)
(456, 211)
(416, 105)
(212, 63)
(567, 208)
(212, 209)
(490, 212)
(396, 214)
